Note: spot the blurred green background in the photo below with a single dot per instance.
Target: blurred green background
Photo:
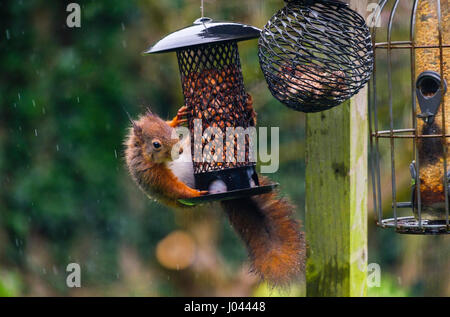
(66, 196)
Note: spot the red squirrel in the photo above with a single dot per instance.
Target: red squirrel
(273, 238)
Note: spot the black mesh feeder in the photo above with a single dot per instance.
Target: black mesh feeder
(214, 93)
(315, 54)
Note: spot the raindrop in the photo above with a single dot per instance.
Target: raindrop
(78, 99)
(15, 105)
(57, 147)
(115, 153)
(34, 103)
(44, 271)
(123, 27)
(7, 34)
(17, 242)
(43, 110)
(35, 132)
(124, 44)
(18, 94)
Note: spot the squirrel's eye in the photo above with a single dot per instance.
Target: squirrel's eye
(156, 145)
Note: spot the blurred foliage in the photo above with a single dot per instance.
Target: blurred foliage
(264, 290)
(10, 284)
(66, 196)
(388, 288)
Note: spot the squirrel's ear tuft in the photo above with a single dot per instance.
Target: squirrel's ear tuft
(148, 112)
(129, 118)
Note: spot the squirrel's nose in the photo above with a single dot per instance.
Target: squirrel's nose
(181, 151)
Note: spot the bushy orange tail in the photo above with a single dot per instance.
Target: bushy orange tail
(275, 243)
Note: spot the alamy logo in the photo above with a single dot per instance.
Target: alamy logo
(373, 275)
(74, 277)
(74, 18)
(373, 19)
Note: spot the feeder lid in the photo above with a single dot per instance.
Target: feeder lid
(204, 31)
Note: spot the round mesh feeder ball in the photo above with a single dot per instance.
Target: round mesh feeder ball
(315, 54)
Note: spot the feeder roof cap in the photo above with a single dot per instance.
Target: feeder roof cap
(204, 31)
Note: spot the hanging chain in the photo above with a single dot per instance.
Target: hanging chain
(202, 9)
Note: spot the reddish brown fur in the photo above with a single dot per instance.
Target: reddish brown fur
(149, 170)
(275, 243)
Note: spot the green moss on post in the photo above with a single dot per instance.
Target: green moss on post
(336, 199)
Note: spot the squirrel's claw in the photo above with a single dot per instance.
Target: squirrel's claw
(182, 111)
(180, 118)
(176, 122)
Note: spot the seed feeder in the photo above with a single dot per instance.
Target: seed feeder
(213, 89)
(428, 46)
(315, 54)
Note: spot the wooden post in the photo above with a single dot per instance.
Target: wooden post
(336, 197)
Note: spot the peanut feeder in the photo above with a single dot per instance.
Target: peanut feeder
(214, 93)
(428, 48)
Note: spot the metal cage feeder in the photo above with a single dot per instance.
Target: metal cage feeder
(428, 134)
(213, 90)
(315, 54)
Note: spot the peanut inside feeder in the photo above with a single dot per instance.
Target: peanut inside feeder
(214, 93)
(215, 96)
(433, 150)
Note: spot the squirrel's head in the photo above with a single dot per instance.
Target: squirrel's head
(155, 138)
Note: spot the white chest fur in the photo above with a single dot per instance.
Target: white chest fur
(182, 167)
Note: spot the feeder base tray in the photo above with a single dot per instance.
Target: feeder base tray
(410, 225)
(233, 194)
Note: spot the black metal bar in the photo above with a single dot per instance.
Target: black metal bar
(412, 136)
(406, 45)
(382, 4)
(444, 141)
(391, 115)
(414, 110)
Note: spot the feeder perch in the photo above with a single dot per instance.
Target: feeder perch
(428, 131)
(315, 54)
(213, 89)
